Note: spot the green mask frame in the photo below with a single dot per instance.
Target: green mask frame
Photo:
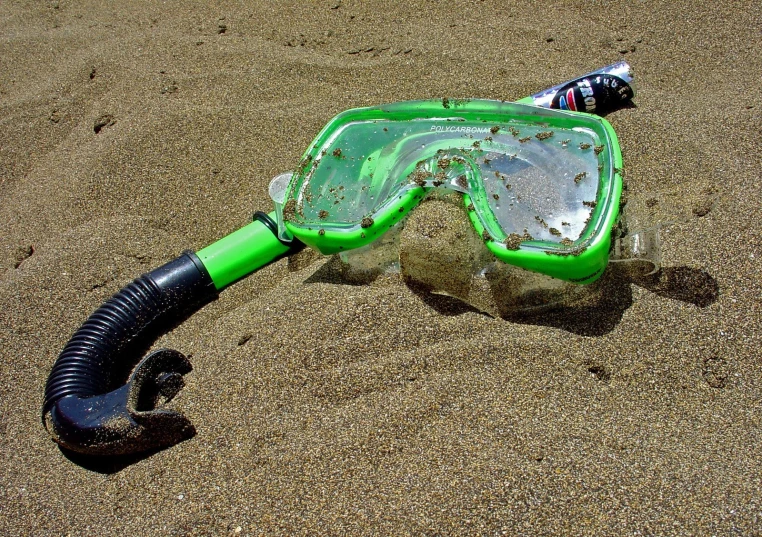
(541, 186)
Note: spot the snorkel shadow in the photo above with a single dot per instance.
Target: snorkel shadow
(597, 314)
(107, 464)
(444, 263)
(627, 105)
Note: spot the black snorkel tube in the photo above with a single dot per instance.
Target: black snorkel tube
(86, 408)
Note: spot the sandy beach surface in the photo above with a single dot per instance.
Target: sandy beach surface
(130, 132)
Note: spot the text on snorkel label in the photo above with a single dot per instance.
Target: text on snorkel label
(457, 128)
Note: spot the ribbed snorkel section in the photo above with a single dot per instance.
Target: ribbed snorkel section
(86, 364)
(87, 406)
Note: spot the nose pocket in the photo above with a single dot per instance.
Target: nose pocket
(447, 168)
(439, 249)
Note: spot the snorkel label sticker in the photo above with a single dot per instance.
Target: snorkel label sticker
(582, 92)
(566, 102)
(593, 95)
(456, 128)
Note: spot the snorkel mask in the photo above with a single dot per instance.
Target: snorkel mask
(541, 190)
(541, 187)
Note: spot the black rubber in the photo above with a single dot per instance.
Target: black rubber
(80, 410)
(272, 225)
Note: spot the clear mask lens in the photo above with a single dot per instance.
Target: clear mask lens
(541, 187)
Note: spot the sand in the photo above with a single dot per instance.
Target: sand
(325, 407)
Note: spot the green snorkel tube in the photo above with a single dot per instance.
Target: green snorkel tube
(362, 175)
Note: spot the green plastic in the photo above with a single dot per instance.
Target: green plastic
(541, 186)
(240, 253)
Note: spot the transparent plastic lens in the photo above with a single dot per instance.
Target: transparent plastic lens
(539, 187)
(521, 180)
(436, 249)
